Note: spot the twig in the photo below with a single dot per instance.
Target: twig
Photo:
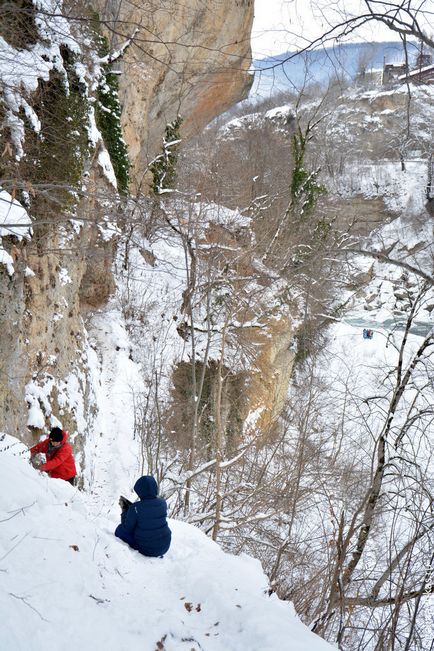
(93, 553)
(18, 511)
(23, 599)
(12, 549)
(99, 600)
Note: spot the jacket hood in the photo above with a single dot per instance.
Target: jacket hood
(146, 486)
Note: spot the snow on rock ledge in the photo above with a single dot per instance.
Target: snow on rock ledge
(15, 221)
(66, 577)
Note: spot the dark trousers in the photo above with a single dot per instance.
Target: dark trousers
(72, 481)
(121, 533)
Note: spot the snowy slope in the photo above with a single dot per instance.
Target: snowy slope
(112, 455)
(68, 582)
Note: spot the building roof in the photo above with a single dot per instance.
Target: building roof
(418, 72)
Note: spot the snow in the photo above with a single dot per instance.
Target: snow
(66, 577)
(69, 396)
(106, 165)
(416, 72)
(37, 398)
(93, 132)
(7, 261)
(64, 277)
(14, 219)
(22, 69)
(214, 213)
(278, 115)
(64, 573)
(112, 451)
(402, 191)
(279, 112)
(252, 419)
(35, 416)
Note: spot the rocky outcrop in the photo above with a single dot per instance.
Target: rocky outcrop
(268, 386)
(59, 275)
(189, 58)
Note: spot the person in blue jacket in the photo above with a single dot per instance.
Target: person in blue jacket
(144, 523)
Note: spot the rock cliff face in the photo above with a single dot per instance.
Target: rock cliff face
(189, 58)
(42, 336)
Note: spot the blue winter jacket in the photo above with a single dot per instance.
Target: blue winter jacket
(146, 520)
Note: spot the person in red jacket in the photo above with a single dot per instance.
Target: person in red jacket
(60, 462)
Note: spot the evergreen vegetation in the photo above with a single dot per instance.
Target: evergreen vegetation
(305, 188)
(163, 168)
(108, 119)
(56, 155)
(17, 24)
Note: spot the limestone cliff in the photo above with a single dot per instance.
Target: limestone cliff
(42, 337)
(189, 58)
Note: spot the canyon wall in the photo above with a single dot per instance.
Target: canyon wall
(187, 58)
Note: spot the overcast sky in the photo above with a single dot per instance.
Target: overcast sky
(281, 25)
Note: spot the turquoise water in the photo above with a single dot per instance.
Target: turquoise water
(420, 328)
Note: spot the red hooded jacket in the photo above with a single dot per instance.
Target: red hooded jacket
(60, 463)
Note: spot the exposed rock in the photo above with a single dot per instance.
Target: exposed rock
(261, 384)
(268, 387)
(358, 215)
(189, 58)
(41, 326)
(12, 350)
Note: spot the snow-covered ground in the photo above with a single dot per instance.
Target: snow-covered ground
(112, 455)
(67, 582)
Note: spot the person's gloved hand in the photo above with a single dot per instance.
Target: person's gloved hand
(36, 461)
(124, 504)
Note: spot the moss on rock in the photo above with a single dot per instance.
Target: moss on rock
(54, 158)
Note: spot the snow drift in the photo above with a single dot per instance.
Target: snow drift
(67, 581)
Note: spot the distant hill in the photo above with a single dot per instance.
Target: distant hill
(275, 74)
